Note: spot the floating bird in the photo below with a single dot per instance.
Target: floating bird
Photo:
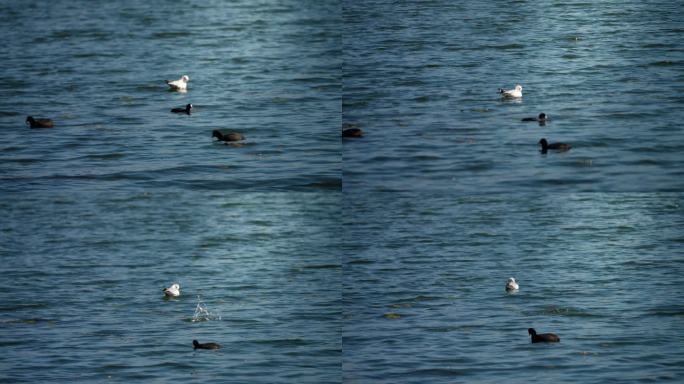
(180, 84)
(39, 123)
(183, 110)
(543, 337)
(172, 291)
(230, 136)
(562, 147)
(516, 93)
(542, 117)
(198, 345)
(352, 132)
(511, 285)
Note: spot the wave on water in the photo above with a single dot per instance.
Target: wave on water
(561, 311)
(15, 307)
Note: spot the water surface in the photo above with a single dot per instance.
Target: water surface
(123, 198)
(421, 80)
(424, 288)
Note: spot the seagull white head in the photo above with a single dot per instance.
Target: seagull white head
(173, 290)
(511, 284)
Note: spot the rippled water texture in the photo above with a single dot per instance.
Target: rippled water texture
(83, 275)
(270, 70)
(424, 295)
(380, 259)
(123, 198)
(421, 80)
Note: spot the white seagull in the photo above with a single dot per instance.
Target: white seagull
(511, 285)
(180, 84)
(172, 291)
(517, 92)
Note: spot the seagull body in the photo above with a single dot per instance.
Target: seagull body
(180, 84)
(172, 291)
(511, 285)
(514, 93)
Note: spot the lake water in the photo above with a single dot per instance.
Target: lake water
(270, 71)
(424, 298)
(314, 260)
(422, 80)
(448, 195)
(123, 198)
(83, 275)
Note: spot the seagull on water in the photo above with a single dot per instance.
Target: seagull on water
(173, 290)
(511, 285)
(515, 93)
(180, 84)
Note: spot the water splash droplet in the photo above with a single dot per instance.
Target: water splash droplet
(202, 312)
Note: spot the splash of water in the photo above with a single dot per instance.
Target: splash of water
(202, 313)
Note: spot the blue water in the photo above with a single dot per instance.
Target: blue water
(269, 71)
(315, 260)
(447, 195)
(424, 298)
(421, 80)
(83, 275)
(123, 198)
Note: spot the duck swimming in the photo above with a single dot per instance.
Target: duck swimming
(197, 345)
(540, 118)
(562, 147)
(543, 337)
(39, 123)
(514, 93)
(230, 136)
(183, 110)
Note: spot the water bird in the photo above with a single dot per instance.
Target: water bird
(173, 290)
(352, 132)
(543, 337)
(39, 123)
(511, 285)
(180, 84)
(197, 345)
(542, 117)
(230, 136)
(562, 147)
(183, 110)
(515, 93)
